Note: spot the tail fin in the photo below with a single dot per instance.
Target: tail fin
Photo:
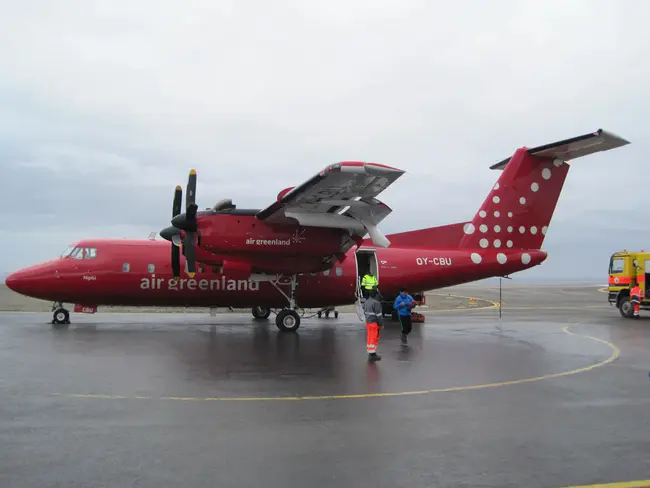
(517, 212)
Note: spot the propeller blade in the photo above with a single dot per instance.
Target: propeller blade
(176, 262)
(178, 201)
(190, 198)
(189, 253)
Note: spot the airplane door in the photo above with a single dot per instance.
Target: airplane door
(366, 261)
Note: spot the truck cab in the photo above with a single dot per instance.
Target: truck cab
(625, 269)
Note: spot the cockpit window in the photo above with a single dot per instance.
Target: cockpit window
(77, 253)
(80, 252)
(67, 252)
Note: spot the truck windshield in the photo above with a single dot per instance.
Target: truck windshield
(616, 266)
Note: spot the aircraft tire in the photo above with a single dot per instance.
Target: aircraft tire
(261, 313)
(61, 316)
(287, 320)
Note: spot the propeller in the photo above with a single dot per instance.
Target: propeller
(185, 222)
(176, 252)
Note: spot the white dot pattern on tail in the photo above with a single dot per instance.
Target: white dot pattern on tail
(484, 243)
(497, 228)
(483, 228)
(482, 214)
(525, 258)
(476, 258)
(510, 228)
(497, 214)
(546, 173)
(534, 186)
(522, 200)
(509, 243)
(469, 228)
(502, 258)
(496, 199)
(497, 243)
(544, 229)
(522, 229)
(533, 230)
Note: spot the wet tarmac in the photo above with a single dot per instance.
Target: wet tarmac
(553, 393)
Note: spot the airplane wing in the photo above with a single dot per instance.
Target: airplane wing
(341, 196)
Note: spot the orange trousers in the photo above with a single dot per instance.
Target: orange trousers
(372, 337)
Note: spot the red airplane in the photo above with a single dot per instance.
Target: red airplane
(307, 249)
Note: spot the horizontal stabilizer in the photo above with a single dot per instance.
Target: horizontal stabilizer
(574, 148)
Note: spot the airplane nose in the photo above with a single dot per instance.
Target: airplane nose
(30, 281)
(15, 282)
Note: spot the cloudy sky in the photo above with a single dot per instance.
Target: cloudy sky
(106, 105)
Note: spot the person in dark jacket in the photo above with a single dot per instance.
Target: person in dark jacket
(404, 304)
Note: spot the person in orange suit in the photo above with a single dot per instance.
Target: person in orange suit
(636, 295)
(374, 321)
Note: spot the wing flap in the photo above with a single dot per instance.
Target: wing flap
(340, 196)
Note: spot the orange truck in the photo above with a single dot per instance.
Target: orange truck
(626, 269)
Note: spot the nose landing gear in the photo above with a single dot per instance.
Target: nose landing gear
(60, 316)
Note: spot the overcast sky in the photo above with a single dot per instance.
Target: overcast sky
(105, 106)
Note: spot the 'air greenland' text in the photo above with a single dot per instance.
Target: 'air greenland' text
(217, 284)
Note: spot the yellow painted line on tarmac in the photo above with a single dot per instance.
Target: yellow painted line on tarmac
(505, 309)
(618, 484)
(492, 304)
(614, 355)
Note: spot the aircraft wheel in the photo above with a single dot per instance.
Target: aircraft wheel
(288, 320)
(61, 316)
(626, 308)
(261, 313)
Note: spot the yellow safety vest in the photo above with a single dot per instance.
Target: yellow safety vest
(369, 282)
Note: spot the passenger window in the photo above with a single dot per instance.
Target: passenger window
(126, 267)
(339, 271)
(91, 253)
(151, 268)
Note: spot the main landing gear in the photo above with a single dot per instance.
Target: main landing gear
(261, 313)
(288, 319)
(60, 316)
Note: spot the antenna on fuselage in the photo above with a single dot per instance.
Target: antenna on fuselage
(500, 294)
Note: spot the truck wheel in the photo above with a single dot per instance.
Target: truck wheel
(626, 308)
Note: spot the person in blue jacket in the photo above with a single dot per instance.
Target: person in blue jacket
(404, 304)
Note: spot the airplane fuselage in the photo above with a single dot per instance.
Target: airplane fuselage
(138, 273)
